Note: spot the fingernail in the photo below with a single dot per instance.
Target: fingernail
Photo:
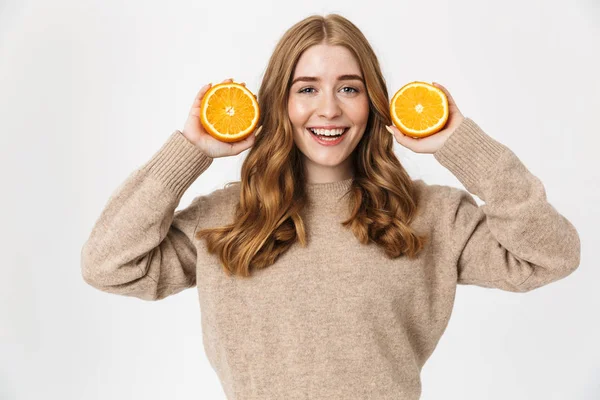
(389, 129)
(258, 130)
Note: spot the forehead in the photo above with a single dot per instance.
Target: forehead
(326, 61)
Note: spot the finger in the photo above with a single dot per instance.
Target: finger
(401, 138)
(238, 147)
(453, 109)
(443, 89)
(258, 130)
(198, 98)
(451, 101)
(440, 86)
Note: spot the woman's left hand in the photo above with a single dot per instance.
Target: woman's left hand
(432, 143)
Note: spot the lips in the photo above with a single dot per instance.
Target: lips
(342, 127)
(327, 127)
(328, 140)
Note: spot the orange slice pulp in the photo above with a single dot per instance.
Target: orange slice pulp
(419, 109)
(229, 112)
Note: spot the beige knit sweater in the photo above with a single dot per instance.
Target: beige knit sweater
(335, 320)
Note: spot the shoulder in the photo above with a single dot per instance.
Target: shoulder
(218, 206)
(434, 196)
(228, 193)
(438, 205)
(438, 195)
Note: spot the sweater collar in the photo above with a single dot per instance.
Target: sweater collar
(328, 190)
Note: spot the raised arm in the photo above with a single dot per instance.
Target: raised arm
(139, 246)
(516, 241)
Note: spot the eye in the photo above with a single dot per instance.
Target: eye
(352, 90)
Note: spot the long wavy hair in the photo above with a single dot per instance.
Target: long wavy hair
(382, 199)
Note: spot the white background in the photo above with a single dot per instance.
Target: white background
(89, 90)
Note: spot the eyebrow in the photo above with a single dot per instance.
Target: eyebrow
(347, 77)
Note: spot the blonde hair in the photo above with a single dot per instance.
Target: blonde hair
(272, 194)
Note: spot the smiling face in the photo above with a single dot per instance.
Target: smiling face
(328, 92)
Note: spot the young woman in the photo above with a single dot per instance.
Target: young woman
(327, 272)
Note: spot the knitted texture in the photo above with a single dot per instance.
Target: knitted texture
(336, 319)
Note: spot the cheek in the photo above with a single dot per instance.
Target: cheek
(298, 112)
(357, 110)
(361, 112)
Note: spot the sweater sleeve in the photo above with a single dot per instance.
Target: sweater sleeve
(140, 246)
(516, 241)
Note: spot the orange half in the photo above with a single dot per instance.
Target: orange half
(229, 112)
(419, 109)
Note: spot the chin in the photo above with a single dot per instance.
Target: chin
(325, 161)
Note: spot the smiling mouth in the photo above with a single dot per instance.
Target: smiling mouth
(327, 136)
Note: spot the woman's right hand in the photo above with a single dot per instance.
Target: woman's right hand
(196, 134)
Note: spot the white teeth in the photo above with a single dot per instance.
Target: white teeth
(328, 132)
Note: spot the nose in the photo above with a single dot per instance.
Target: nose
(328, 106)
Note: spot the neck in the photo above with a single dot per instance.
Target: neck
(319, 174)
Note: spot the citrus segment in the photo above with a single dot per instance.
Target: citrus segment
(419, 109)
(229, 112)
